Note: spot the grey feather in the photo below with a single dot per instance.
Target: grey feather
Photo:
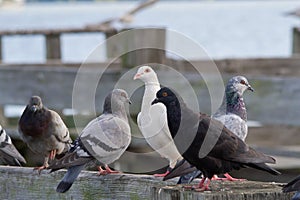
(69, 178)
(8, 153)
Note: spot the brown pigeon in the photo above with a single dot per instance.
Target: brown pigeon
(43, 131)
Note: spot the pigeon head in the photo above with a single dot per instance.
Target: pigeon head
(116, 100)
(238, 84)
(35, 103)
(165, 96)
(146, 74)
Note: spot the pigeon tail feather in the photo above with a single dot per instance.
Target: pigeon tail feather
(183, 167)
(188, 178)
(296, 196)
(264, 167)
(69, 178)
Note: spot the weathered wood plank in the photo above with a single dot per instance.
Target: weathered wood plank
(54, 84)
(23, 183)
(249, 66)
(224, 190)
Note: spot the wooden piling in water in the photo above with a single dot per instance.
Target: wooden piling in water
(296, 41)
(53, 47)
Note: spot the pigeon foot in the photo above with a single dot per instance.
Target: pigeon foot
(227, 178)
(52, 154)
(106, 171)
(162, 175)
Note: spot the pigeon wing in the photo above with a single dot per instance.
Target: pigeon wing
(106, 138)
(61, 132)
(230, 147)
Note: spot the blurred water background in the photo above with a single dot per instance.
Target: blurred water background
(225, 29)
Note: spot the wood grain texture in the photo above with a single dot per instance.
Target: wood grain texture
(24, 183)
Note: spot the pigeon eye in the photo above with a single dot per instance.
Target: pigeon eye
(147, 70)
(164, 94)
(123, 94)
(243, 82)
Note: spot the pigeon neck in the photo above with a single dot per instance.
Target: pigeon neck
(174, 117)
(235, 104)
(115, 108)
(151, 89)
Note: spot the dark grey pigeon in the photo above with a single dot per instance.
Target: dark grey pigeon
(9, 155)
(232, 113)
(44, 131)
(293, 186)
(190, 130)
(104, 139)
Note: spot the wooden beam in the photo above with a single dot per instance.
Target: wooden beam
(56, 31)
(23, 183)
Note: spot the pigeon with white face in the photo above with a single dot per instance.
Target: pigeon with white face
(104, 139)
(9, 155)
(152, 120)
(44, 131)
(232, 113)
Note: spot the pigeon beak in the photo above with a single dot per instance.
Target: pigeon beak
(250, 88)
(137, 76)
(155, 101)
(128, 100)
(34, 108)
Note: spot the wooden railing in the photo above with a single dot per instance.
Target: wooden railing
(52, 37)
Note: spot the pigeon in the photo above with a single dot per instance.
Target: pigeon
(44, 131)
(232, 113)
(104, 139)
(192, 131)
(9, 155)
(292, 186)
(152, 120)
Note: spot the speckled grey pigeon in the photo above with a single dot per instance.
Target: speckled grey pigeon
(43, 131)
(292, 186)
(104, 139)
(9, 155)
(232, 113)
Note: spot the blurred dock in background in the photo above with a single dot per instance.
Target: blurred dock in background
(275, 104)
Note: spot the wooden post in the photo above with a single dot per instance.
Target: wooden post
(139, 46)
(3, 120)
(53, 48)
(296, 41)
(1, 49)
